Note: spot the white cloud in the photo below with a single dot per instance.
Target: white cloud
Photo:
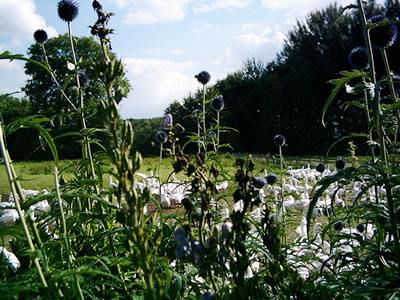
(178, 51)
(12, 76)
(262, 46)
(220, 4)
(156, 83)
(152, 11)
(19, 20)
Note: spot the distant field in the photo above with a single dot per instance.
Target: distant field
(38, 175)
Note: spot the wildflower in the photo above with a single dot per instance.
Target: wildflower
(320, 167)
(382, 36)
(340, 163)
(40, 36)
(206, 296)
(338, 226)
(271, 179)
(168, 122)
(217, 104)
(83, 78)
(259, 182)
(203, 77)
(183, 251)
(358, 58)
(212, 134)
(180, 236)
(279, 140)
(161, 137)
(67, 10)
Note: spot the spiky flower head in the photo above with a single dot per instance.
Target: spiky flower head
(320, 167)
(259, 182)
(358, 58)
(217, 104)
(40, 36)
(203, 77)
(338, 226)
(340, 163)
(271, 179)
(168, 122)
(83, 78)
(161, 137)
(382, 36)
(67, 10)
(279, 140)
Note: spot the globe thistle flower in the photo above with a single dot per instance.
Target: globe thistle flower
(212, 134)
(217, 104)
(83, 78)
(40, 36)
(206, 296)
(360, 228)
(320, 167)
(340, 163)
(279, 140)
(203, 77)
(180, 236)
(358, 58)
(338, 226)
(161, 137)
(382, 36)
(168, 122)
(259, 182)
(67, 10)
(271, 179)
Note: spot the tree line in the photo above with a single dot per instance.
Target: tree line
(262, 99)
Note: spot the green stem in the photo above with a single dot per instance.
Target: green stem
(12, 181)
(88, 152)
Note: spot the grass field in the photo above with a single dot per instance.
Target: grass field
(38, 175)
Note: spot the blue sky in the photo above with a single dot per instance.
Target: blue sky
(163, 43)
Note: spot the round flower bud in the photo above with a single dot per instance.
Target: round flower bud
(213, 134)
(271, 179)
(217, 104)
(382, 36)
(360, 228)
(358, 58)
(279, 140)
(203, 77)
(161, 137)
(67, 10)
(338, 226)
(340, 163)
(320, 167)
(40, 36)
(83, 78)
(168, 122)
(259, 182)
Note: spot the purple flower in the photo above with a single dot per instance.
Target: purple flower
(203, 77)
(382, 36)
(180, 236)
(217, 104)
(161, 137)
(259, 182)
(340, 163)
(279, 140)
(271, 179)
(168, 122)
(320, 167)
(83, 78)
(67, 10)
(40, 36)
(358, 58)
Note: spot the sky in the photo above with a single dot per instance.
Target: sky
(163, 43)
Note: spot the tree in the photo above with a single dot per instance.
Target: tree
(45, 96)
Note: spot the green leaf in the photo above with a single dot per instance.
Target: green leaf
(11, 57)
(339, 84)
